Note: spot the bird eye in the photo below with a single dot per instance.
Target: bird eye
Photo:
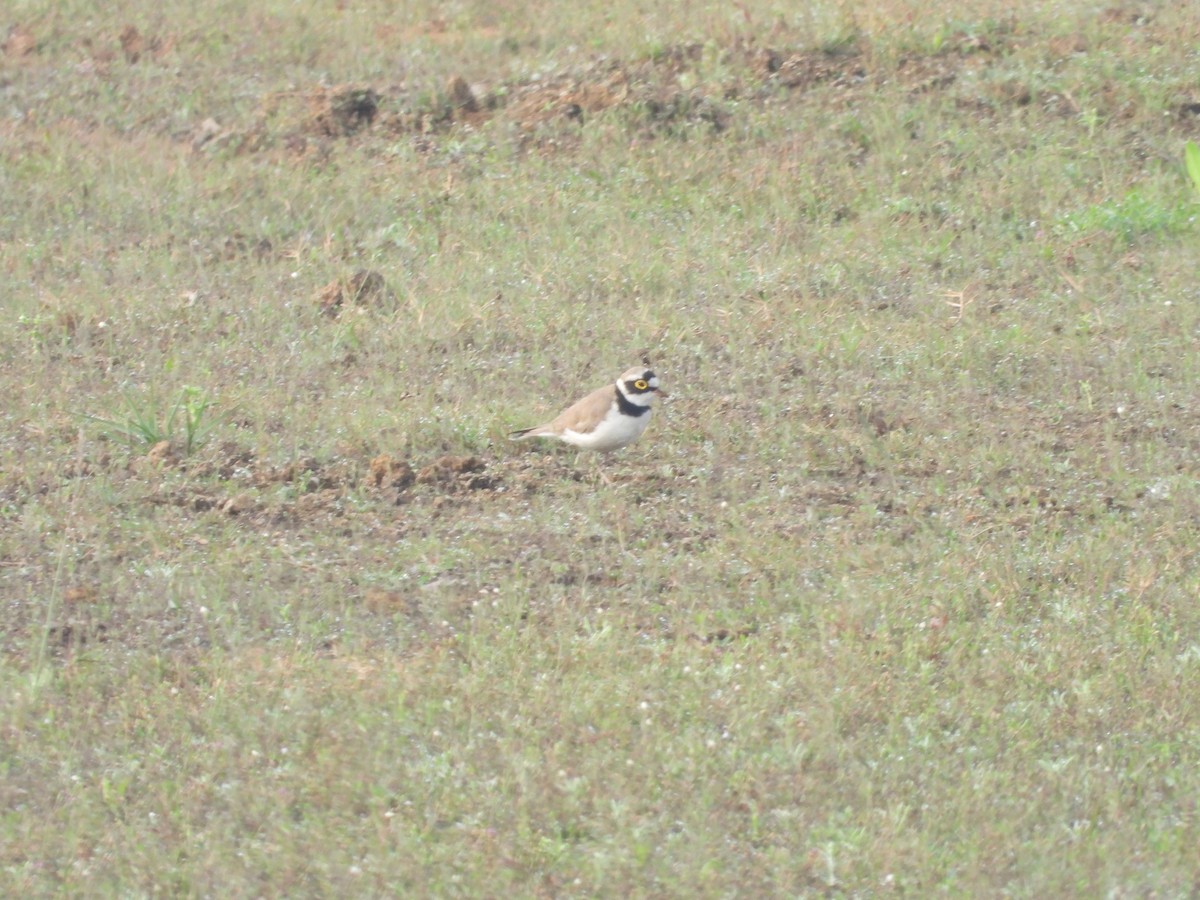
(641, 384)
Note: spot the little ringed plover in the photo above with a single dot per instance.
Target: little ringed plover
(608, 418)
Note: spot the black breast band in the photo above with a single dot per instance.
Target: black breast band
(628, 407)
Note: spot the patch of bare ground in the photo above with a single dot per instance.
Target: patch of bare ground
(546, 112)
(135, 45)
(232, 482)
(365, 288)
(309, 119)
(19, 43)
(128, 45)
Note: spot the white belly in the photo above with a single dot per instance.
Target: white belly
(616, 431)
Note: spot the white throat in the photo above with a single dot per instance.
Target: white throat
(635, 399)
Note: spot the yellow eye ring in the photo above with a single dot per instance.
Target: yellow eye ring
(641, 384)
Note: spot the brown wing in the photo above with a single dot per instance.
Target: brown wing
(582, 417)
(587, 413)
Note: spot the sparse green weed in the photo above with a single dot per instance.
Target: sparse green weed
(143, 422)
(1132, 217)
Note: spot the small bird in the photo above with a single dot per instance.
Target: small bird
(609, 418)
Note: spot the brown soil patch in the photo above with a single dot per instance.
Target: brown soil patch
(81, 595)
(572, 97)
(230, 481)
(651, 87)
(461, 95)
(381, 601)
(19, 42)
(364, 288)
(136, 46)
(454, 473)
(803, 71)
(655, 91)
(393, 473)
(342, 111)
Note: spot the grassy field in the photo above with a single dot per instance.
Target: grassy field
(896, 596)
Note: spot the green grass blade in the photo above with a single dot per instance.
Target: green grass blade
(1191, 155)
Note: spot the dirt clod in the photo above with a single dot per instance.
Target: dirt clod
(163, 453)
(81, 594)
(342, 111)
(238, 504)
(364, 288)
(132, 43)
(388, 472)
(461, 95)
(449, 466)
(381, 601)
(455, 473)
(20, 42)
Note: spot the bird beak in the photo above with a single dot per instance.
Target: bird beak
(661, 392)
